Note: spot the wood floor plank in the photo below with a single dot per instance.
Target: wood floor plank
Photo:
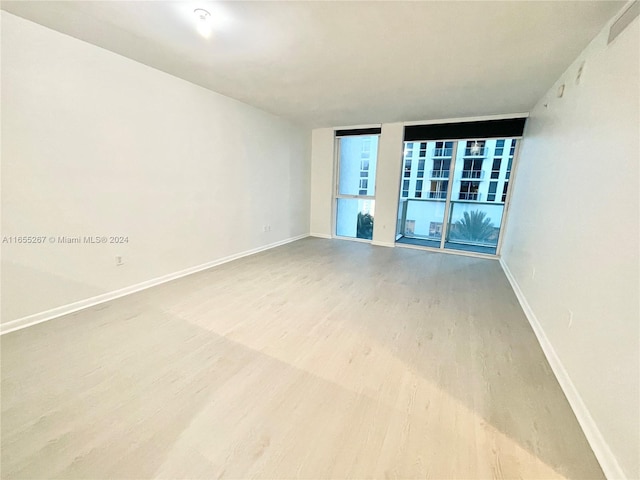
(317, 359)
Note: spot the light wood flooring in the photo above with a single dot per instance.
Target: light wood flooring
(318, 359)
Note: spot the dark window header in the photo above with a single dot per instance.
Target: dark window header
(510, 127)
(358, 131)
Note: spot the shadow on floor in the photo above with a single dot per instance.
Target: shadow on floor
(276, 362)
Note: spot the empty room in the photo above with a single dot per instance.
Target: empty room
(320, 239)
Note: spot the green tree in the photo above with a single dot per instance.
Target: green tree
(364, 226)
(474, 226)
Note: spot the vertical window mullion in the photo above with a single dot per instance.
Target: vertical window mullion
(447, 205)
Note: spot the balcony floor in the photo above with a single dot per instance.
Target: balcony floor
(448, 245)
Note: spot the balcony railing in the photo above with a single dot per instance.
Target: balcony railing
(443, 152)
(439, 173)
(469, 196)
(473, 174)
(437, 194)
(475, 152)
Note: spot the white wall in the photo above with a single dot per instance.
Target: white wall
(322, 159)
(574, 219)
(97, 144)
(388, 184)
(389, 166)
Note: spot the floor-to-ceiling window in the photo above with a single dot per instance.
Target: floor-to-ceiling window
(357, 156)
(454, 193)
(422, 209)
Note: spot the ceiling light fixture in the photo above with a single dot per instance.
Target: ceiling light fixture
(202, 14)
(203, 22)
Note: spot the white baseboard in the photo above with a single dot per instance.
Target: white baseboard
(319, 235)
(383, 244)
(600, 447)
(34, 319)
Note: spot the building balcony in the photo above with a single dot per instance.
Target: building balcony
(439, 174)
(469, 196)
(474, 174)
(475, 152)
(437, 195)
(443, 152)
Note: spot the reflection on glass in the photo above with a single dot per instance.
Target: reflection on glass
(354, 218)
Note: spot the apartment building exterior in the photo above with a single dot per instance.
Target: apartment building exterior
(478, 179)
(479, 182)
(482, 173)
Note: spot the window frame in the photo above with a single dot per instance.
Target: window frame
(364, 162)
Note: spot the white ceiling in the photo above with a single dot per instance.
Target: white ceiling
(330, 63)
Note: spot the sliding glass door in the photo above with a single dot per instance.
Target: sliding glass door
(453, 193)
(355, 186)
(423, 193)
